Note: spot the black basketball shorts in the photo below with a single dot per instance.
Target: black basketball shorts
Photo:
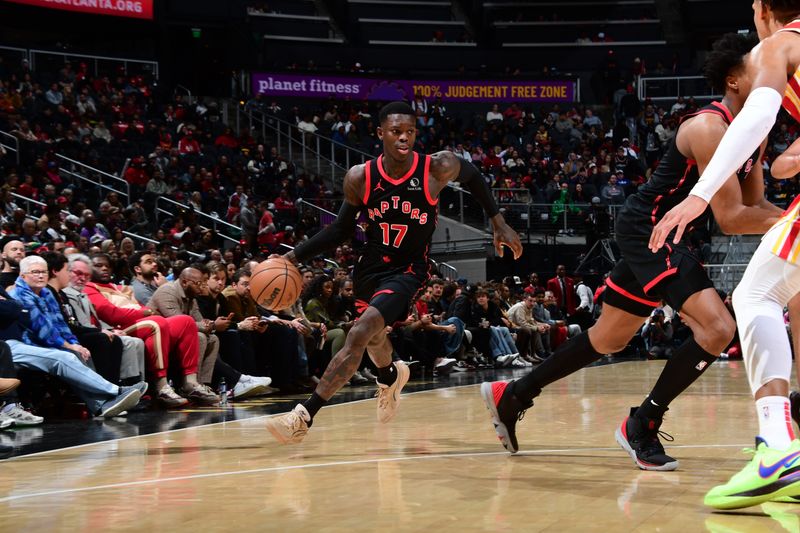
(389, 292)
(641, 279)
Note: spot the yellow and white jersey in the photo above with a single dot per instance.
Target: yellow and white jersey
(791, 98)
(787, 244)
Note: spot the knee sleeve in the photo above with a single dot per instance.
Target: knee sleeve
(765, 345)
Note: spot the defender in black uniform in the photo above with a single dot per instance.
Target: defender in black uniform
(398, 192)
(642, 279)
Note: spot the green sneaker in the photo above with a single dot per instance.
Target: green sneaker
(769, 475)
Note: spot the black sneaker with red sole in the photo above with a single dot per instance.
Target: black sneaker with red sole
(639, 437)
(505, 410)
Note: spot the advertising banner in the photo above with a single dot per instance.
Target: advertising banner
(142, 9)
(313, 85)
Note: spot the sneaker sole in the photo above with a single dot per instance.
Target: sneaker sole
(249, 393)
(21, 424)
(446, 367)
(786, 499)
(124, 403)
(403, 374)
(6, 424)
(500, 429)
(781, 494)
(172, 404)
(623, 441)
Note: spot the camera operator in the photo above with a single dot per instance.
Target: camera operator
(598, 222)
(657, 335)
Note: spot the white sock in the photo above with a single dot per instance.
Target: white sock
(775, 421)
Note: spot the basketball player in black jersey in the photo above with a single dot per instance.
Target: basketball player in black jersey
(398, 193)
(641, 279)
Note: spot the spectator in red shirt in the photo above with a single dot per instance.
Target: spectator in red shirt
(232, 216)
(284, 205)
(177, 231)
(136, 173)
(227, 140)
(188, 144)
(266, 229)
(120, 128)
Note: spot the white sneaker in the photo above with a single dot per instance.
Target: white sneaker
(506, 360)
(249, 386)
(367, 373)
(5, 421)
(511, 358)
(445, 363)
(389, 395)
(520, 363)
(22, 417)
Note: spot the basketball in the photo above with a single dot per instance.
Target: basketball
(275, 284)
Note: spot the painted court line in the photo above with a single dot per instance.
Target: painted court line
(155, 481)
(204, 426)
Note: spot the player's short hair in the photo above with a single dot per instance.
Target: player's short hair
(394, 108)
(727, 55)
(784, 10)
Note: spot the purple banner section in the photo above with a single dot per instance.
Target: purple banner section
(318, 86)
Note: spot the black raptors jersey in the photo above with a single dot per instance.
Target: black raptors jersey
(670, 184)
(401, 214)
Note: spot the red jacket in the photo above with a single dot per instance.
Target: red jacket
(115, 304)
(554, 285)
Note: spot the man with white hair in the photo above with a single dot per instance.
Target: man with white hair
(132, 366)
(20, 333)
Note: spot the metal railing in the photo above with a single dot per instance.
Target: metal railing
(29, 211)
(98, 63)
(83, 171)
(525, 217)
(314, 150)
(461, 246)
(669, 88)
(13, 138)
(23, 52)
(726, 276)
(216, 222)
(142, 238)
(448, 272)
(77, 176)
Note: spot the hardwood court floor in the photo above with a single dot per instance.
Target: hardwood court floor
(436, 467)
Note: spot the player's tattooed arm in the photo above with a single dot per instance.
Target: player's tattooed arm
(340, 229)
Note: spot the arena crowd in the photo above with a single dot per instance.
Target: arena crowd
(111, 288)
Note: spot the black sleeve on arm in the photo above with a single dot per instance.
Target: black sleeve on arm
(470, 177)
(330, 236)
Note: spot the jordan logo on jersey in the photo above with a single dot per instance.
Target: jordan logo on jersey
(378, 187)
